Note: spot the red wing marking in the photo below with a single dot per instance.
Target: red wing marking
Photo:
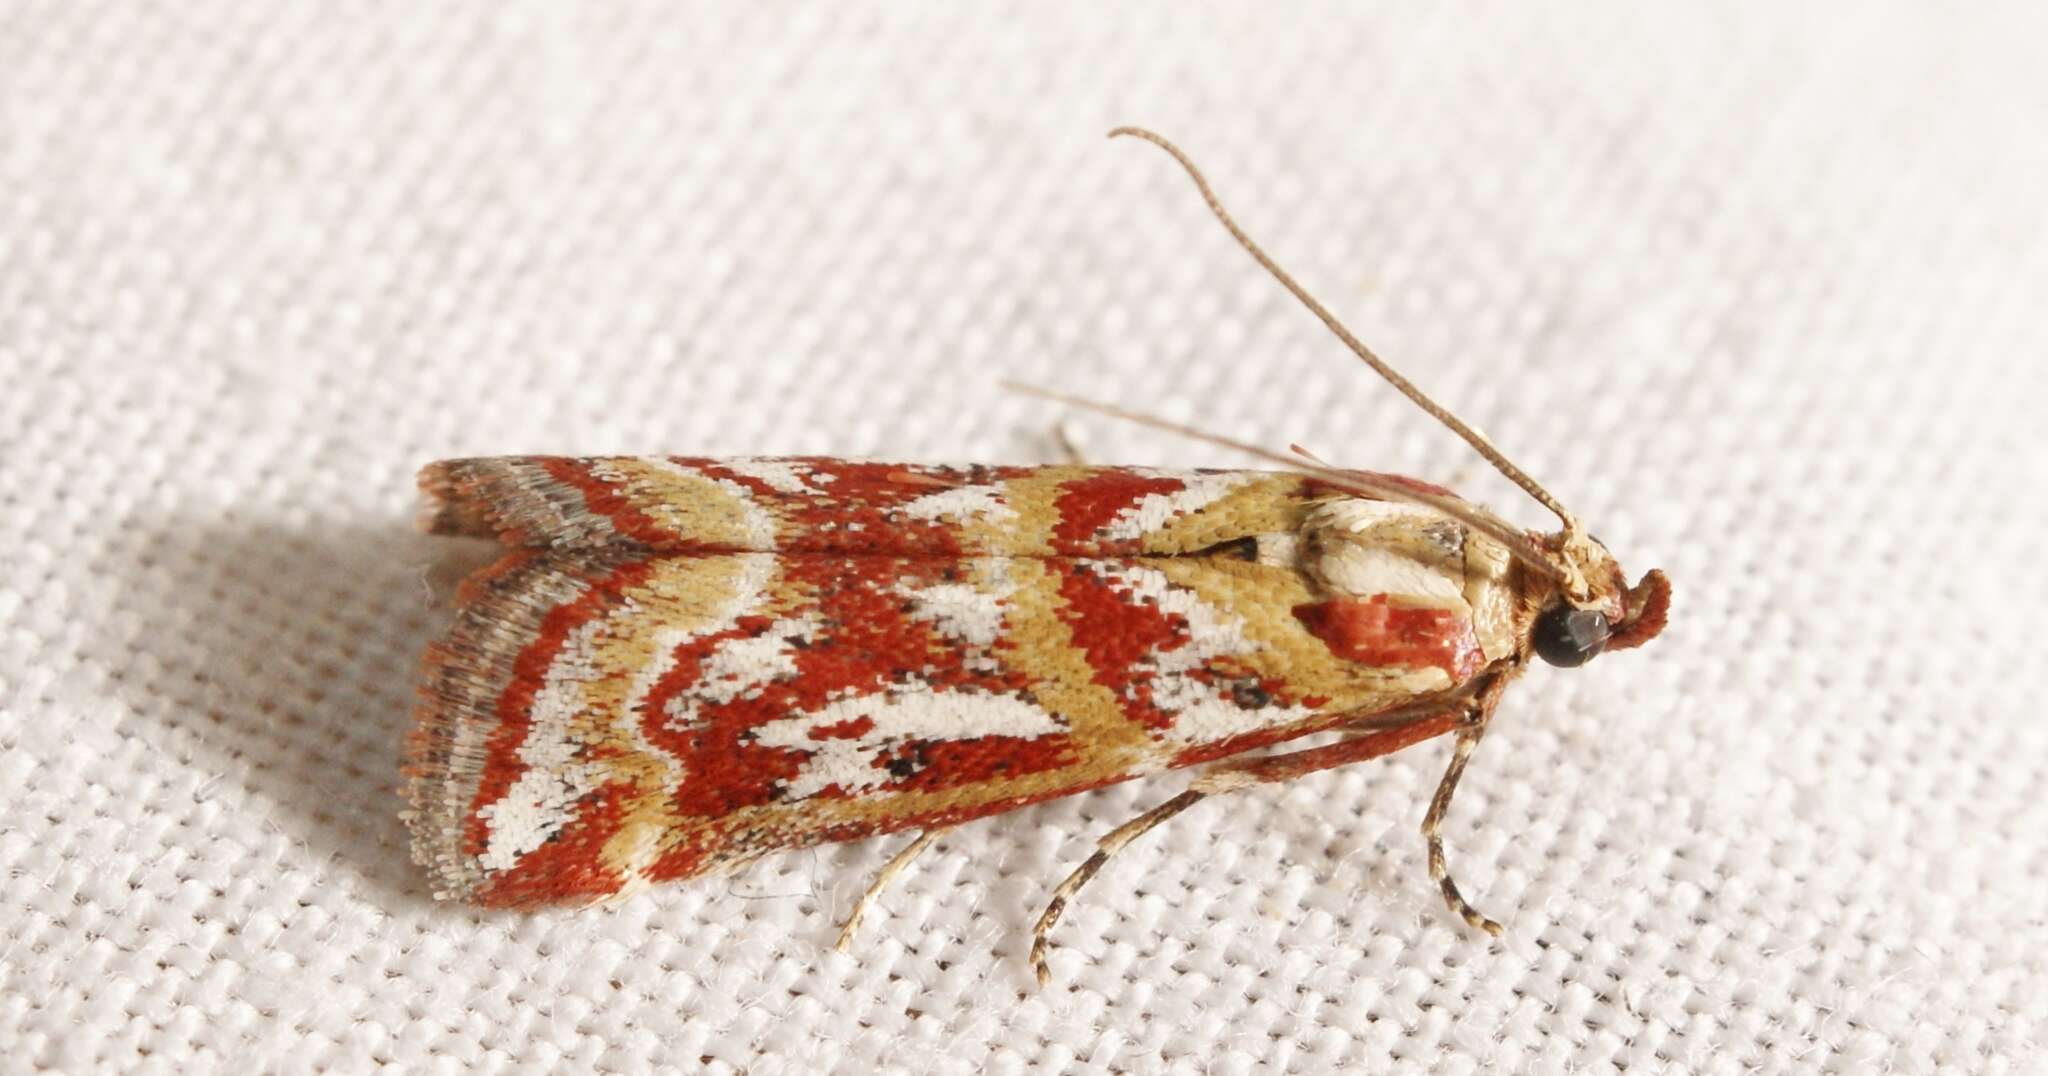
(1375, 631)
(1087, 505)
(1120, 635)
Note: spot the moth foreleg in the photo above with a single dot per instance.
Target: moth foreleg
(883, 877)
(1468, 721)
(1432, 827)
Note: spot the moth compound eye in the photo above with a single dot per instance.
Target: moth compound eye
(1568, 637)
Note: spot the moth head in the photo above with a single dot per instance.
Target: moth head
(1611, 615)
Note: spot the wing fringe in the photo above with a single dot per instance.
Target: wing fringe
(500, 610)
(516, 500)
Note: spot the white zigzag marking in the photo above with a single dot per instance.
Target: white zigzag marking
(916, 715)
(1155, 510)
(962, 504)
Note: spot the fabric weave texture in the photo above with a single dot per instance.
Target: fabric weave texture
(1758, 290)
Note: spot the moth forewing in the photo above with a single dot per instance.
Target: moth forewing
(764, 667)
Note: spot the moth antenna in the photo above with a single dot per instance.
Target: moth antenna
(1370, 485)
(1407, 388)
(1307, 455)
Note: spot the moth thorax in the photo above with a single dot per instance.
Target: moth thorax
(1360, 548)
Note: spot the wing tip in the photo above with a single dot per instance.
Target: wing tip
(458, 729)
(538, 501)
(451, 503)
(455, 715)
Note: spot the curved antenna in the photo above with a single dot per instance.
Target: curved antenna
(1370, 485)
(1407, 388)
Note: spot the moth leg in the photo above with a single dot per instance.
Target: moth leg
(1468, 721)
(1229, 778)
(883, 877)
(1108, 846)
(1432, 826)
(1063, 432)
(1357, 747)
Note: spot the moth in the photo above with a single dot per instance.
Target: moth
(680, 665)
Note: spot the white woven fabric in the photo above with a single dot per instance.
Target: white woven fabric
(1760, 295)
